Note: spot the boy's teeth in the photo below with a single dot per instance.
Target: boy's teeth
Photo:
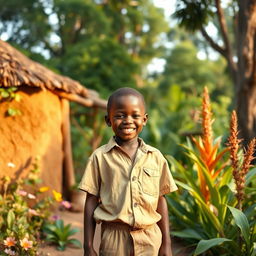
(128, 129)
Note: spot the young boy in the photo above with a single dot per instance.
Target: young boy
(126, 181)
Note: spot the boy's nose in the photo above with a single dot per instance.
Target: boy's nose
(128, 120)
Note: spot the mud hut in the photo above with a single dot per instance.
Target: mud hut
(34, 120)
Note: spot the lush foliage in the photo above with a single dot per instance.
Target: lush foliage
(211, 208)
(176, 116)
(24, 209)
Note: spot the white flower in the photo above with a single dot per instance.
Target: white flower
(12, 165)
(31, 196)
(9, 251)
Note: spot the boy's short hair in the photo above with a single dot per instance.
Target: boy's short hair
(124, 91)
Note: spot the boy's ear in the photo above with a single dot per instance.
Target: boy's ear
(107, 120)
(145, 119)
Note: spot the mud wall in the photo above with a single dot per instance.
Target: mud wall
(36, 132)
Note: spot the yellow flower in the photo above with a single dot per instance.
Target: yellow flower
(57, 196)
(43, 189)
(9, 242)
(26, 244)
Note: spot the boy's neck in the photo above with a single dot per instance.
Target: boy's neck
(134, 143)
(129, 147)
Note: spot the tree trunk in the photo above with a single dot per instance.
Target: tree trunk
(246, 73)
(246, 112)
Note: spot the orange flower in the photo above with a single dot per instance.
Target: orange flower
(26, 244)
(207, 149)
(10, 241)
(207, 122)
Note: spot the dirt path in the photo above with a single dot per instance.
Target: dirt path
(76, 219)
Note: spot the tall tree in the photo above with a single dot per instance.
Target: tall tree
(236, 42)
(101, 34)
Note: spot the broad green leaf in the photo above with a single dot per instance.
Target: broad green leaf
(183, 185)
(205, 209)
(50, 227)
(250, 212)
(187, 233)
(251, 175)
(226, 177)
(10, 219)
(242, 222)
(62, 246)
(59, 224)
(73, 231)
(75, 242)
(205, 245)
(210, 215)
(184, 173)
(180, 211)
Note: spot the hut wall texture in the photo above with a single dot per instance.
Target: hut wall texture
(34, 133)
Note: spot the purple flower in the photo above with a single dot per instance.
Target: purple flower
(55, 217)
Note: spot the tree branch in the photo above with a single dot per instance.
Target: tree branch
(214, 45)
(87, 102)
(224, 31)
(223, 27)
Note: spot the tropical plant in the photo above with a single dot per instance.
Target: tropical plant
(204, 212)
(59, 234)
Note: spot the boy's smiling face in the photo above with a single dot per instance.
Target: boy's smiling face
(127, 117)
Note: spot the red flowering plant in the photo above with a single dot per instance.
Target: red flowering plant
(207, 210)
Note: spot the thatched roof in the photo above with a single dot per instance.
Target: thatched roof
(18, 70)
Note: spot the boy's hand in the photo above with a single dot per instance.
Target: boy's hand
(162, 209)
(90, 252)
(165, 250)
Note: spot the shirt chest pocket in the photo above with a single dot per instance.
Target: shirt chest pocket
(150, 181)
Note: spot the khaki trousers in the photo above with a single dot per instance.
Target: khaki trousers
(119, 239)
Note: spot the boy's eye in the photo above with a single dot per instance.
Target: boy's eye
(136, 116)
(119, 116)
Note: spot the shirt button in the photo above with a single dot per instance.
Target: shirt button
(135, 204)
(134, 178)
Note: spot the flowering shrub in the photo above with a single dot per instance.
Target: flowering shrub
(22, 213)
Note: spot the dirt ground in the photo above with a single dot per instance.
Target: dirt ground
(76, 219)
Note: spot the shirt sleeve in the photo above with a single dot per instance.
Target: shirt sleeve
(167, 183)
(91, 179)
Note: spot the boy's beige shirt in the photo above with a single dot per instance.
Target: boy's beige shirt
(128, 191)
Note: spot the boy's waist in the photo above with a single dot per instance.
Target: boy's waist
(122, 226)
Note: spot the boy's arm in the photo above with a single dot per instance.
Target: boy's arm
(162, 209)
(89, 224)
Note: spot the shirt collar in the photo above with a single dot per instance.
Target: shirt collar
(142, 146)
